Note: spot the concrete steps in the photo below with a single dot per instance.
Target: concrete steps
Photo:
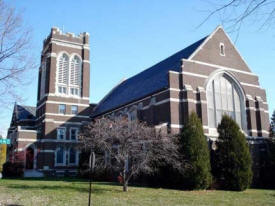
(33, 173)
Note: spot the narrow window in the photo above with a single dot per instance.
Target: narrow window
(63, 69)
(132, 116)
(61, 133)
(73, 133)
(60, 155)
(64, 90)
(107, 158)
(62, 109)
(222, 52)
(43, 80)
(75, 72)
(72, 91)
(75, 76)
(72, 156)
(60, 90)
(74, 109)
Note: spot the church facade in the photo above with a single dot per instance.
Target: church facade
(209, 77)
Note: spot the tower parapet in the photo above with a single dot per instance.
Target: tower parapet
(57, 34)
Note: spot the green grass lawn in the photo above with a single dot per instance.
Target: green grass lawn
(75, 192)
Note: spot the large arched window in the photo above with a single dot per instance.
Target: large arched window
(62, 74)
(69, 73)
(223, 97)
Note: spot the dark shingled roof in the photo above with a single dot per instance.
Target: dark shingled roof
(146, 82)
(25, 112)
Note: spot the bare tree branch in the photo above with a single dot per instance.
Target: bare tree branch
(129, 147)
(15, 56)
(216, 11)
(234, 13)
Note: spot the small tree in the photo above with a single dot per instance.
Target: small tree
(272, 125)
(232, 158)
(196, 153)
(3, 151)
(128, 147)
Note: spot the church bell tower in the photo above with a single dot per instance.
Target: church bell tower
(62, 99)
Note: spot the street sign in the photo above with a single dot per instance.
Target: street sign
(5, 141)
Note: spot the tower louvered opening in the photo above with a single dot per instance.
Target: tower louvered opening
(69, 75)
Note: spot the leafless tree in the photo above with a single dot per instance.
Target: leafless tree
(130, 145)
(234, 13)
(15, 55)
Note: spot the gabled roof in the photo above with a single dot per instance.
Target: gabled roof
(24, 112)
(145, 83)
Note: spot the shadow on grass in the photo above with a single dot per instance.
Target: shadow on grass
(64, 179)
(13, 205)
(78, 188)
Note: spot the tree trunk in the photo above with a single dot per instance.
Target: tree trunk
(125, 187)
(125, 182)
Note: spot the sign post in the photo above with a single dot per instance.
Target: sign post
(91, 166)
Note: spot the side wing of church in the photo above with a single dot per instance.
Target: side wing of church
(209, 77)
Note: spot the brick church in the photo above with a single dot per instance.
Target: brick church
(209, 77)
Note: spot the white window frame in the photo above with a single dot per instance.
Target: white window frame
(237, 87)
(63, 85)
(64, 157)
(59, 109)
(77, 131)
(72, 109)
(59, 128)
(68, 86)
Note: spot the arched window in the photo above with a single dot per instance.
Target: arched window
(75, 76)
(69, 75)
(60, 157)
(72, 156)
(223, 97)
(62, 74)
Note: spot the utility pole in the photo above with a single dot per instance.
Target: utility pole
(92, 166)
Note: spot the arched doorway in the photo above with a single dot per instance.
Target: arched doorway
(29, 158)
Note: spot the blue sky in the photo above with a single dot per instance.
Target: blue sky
(130, 36)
